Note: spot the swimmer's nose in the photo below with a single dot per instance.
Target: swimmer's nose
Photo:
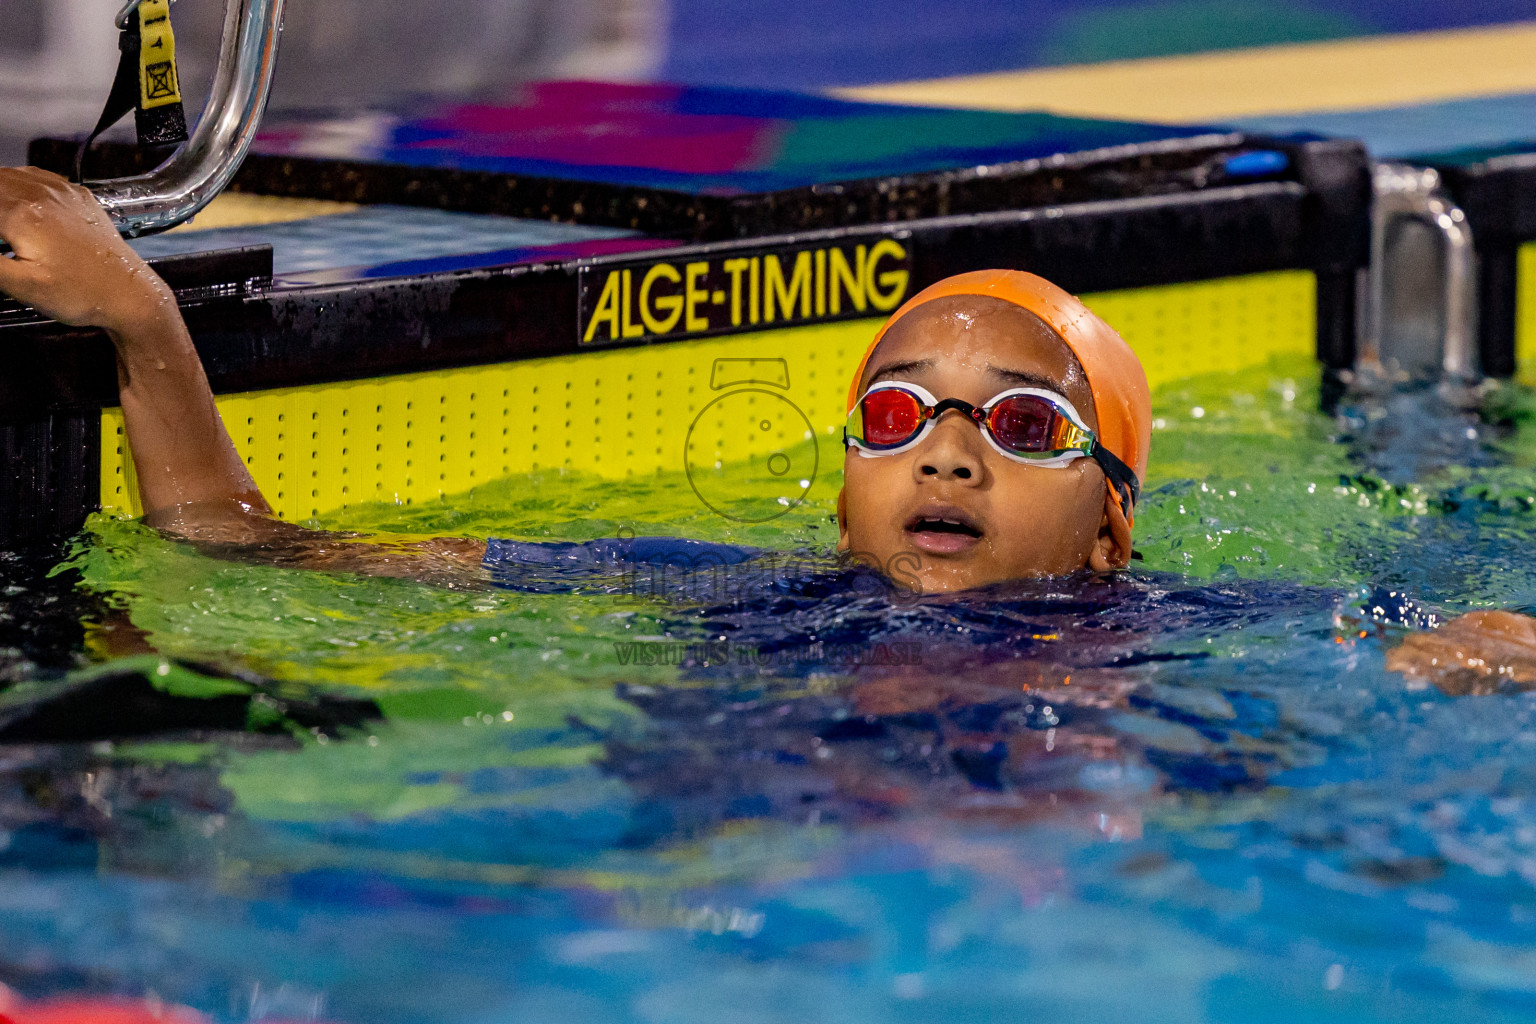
(952, 451)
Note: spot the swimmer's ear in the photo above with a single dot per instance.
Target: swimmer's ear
(842, 519)
(1112, 549)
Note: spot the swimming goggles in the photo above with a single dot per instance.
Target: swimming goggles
(1028, 425)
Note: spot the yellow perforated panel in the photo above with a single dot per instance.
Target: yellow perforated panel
(1214, 326)
(639, 410)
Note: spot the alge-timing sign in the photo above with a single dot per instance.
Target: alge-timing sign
(686, 297)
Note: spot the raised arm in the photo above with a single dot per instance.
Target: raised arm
(70, 264)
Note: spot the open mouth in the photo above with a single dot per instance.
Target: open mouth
(943, 530)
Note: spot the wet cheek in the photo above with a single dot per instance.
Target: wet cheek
(1057, 509)
(871, 490)
(1053, 492)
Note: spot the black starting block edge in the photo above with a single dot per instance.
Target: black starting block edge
(1497, 192)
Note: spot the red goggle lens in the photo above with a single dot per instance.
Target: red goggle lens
(890, 417)
(1028, 423)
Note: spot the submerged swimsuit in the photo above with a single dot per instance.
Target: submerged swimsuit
(607, 551)
(774, 601)
(671, 568)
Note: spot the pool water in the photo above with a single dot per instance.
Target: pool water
(1190, 794)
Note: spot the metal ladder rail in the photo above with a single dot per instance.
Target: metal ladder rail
(1404, 191)
(200, 169)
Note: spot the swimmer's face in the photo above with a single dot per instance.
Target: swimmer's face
(951, 512)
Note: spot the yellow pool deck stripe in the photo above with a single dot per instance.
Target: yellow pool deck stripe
(243, 209)
(1349, 74)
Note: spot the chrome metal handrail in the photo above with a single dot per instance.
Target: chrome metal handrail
(1404, 191)
(199, 170)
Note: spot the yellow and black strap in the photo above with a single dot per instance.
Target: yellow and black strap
(147, 83)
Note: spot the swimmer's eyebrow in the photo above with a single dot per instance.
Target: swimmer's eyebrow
(1025, 379)
(893, 370)
(1019, 378)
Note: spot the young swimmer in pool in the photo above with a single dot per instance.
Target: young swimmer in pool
(997, 428)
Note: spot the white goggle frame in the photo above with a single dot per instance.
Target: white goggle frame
(1083, 439)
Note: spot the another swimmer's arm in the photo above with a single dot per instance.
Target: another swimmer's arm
(1475, 653)
(70, 264)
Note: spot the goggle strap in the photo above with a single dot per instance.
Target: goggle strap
(1120, 476)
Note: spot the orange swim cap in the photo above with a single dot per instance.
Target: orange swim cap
(1121, 397)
